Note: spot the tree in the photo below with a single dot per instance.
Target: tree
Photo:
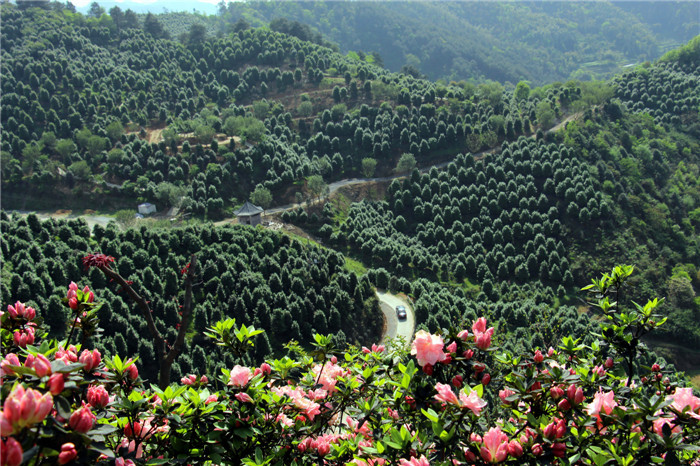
(152, 26)
(114, 130)
(196, 35)
(204, 133)
(95, 10)
(544, 114)
(522, 91)
(261, 196)
(317, 186)
(368, 167)
(406, 163)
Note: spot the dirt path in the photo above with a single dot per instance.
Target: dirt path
(90, 219)
(394, 326)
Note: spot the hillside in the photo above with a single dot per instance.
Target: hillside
(536, 42)
(484, 209)
(204, 125)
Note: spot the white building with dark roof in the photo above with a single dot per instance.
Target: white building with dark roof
(249, 214)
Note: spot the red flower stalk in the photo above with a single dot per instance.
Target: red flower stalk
(97, 260)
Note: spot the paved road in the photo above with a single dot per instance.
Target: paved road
(394, 326)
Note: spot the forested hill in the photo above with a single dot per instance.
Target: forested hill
(102, 112)
(504, 41)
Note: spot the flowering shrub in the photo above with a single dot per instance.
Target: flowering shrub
(458, 401)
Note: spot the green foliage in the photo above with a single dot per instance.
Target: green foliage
(261, 196)
(369, 165)
(406, 163)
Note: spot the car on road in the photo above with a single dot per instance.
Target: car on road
(401, 312)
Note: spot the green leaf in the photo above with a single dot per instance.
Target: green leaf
(430, 414)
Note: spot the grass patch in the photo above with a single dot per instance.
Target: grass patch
(355, 266)
(694, 376)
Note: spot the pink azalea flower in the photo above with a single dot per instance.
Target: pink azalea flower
(422, 461)
(428, 348)
(495, 447)
(472, 401)
(602, 402)
(682, 398)
(240, 376)
(446, 395)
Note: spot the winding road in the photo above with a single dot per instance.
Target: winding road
(394, 326)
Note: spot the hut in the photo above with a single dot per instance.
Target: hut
(147, 208)
(249, 214)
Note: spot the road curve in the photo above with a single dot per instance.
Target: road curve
(394, 326)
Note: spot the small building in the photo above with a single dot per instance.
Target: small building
(249, 214)
(147, 208)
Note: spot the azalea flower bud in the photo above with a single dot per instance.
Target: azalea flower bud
(537, 449)
(203, 380)
(186, 381)
(468, 354)
(10, 452)
(655, 368)
(564, 405)
(463, 335)
(56, 384)
(599, 371)
(550, 352)
(41, 365)
(428, 369)
(82, 420)
(243, 397)
(571, 392)
(469, 456)
(68, 453)
(97, 396)
(123, 462)
(23, 408)
(10, 360)
(323, 449)
(452, 347)
(559, 450)
(134, 430)
(505, 393)
(23, 337)
(334, 359)
(457, 381)
(132, 371)
(515, 449)
(265, 368)
(578, 397)
(548, 431)
(609, 363)
(556, 392)
(486, 379)
(211, 399)
(90, 359)
(73, 303)
(539, 357)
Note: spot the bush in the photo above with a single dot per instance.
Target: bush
(455, 397)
